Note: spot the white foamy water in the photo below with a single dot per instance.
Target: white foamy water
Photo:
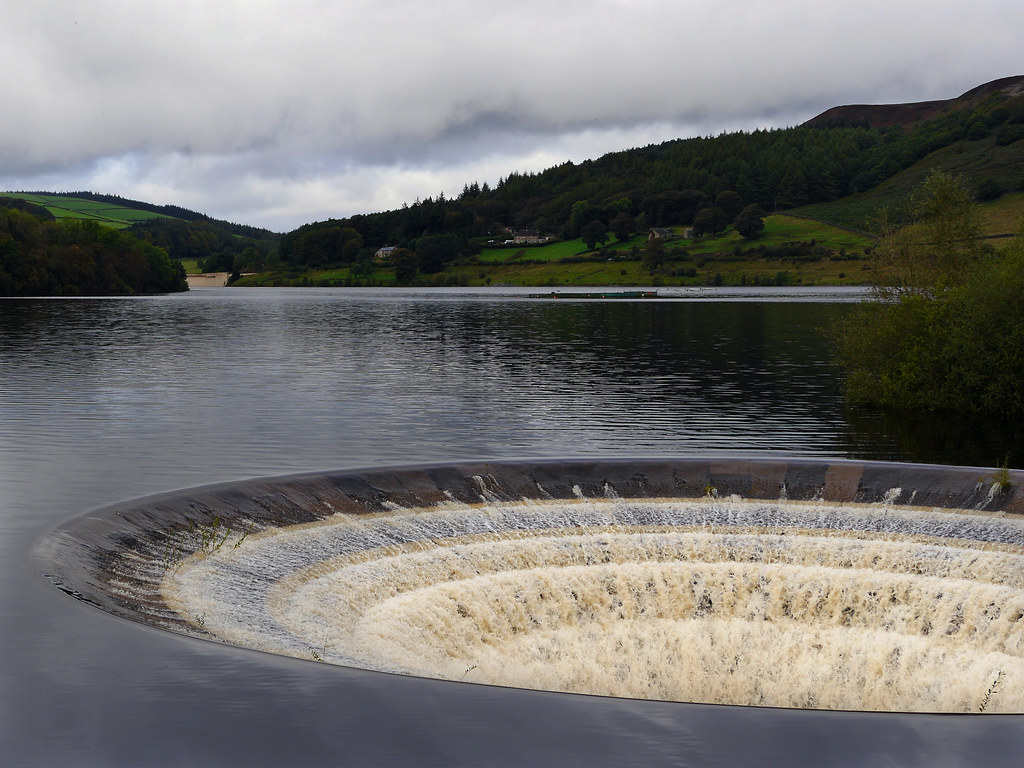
(771, 604)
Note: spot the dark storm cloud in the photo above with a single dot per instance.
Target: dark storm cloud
(277, 113)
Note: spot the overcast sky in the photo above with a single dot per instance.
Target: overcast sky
(276, 114)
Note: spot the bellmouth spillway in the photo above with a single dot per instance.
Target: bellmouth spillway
(829, 585)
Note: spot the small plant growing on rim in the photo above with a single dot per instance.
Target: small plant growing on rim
(1002, 475)
(199, 539)
(992, 690)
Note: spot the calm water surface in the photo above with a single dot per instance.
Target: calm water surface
(108, 399)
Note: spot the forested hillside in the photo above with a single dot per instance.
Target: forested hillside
(673, 182)
(41, 257)
(217, 246)
(186, 235)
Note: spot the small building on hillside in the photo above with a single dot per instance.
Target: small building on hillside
(383, 255)
(661, 233)
(528, 237)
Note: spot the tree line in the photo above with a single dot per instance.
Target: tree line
(707, 183)
(217, 246)
(43, 257)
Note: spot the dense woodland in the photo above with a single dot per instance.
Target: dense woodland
(42, 257)
(217, 245)
(682, 182)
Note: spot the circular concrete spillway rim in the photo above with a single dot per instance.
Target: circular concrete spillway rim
(91, 557)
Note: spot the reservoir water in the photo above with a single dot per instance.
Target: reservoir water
(108, 399)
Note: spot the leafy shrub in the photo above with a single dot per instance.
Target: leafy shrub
(950, 334)
(961, 350)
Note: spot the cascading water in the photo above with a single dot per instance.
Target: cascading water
(722, 601)
(829, 585)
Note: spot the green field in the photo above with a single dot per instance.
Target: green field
(551, 252)
(63, 207)
(778, 229)
(725, 271)
(1003, 216)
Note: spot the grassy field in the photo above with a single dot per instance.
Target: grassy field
(725, 271)
(1003, 216)
(63, 207)
(633, 273)
(551, 252)
(778, 229)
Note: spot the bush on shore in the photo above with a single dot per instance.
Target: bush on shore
(948, 333)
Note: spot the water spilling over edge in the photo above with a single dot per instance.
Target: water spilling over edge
(785, 583)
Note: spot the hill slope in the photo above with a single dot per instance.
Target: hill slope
(75, 257)
(185, 235)
(74, 206)
(840, 167)
(976, 161)
(889, 115)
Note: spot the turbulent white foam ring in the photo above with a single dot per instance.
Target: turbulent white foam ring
(773, 604)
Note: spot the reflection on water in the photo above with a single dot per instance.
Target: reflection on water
(330, 377)
(321, 375)
(943, 438)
